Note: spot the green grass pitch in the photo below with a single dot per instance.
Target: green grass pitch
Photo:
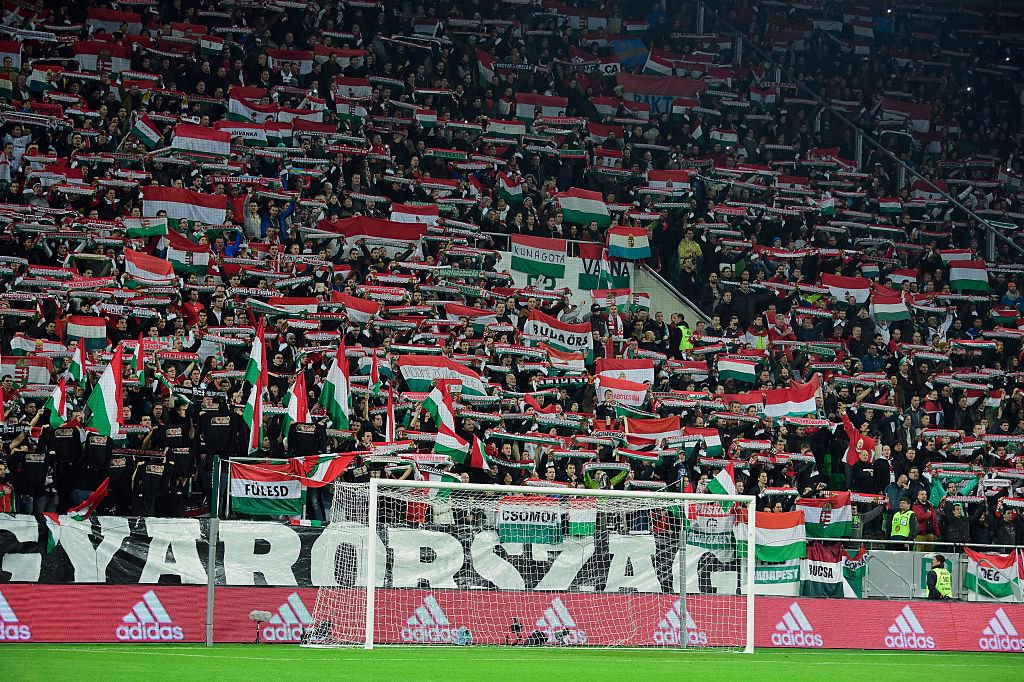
(53, 662)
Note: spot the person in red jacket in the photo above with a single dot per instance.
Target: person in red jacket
(927, 522)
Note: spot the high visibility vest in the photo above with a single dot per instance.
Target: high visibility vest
(684, 339)
(943, 582)
(901, 524)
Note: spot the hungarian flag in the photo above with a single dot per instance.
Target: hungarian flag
(574, 362)
(739, 369)
(407, 213)
(139, 362)
(529, 518)
(191, 138)
(26, 369)
(827, 517)
(335, 396)
(148, 269)
(950, 255)
(78, 368)
(968, 275)
(855, 566)
(81, 512)
(510, 190)
(780, 537)
(840, 287)
(562, 335)
(529, 106)
(1005, 316)
(106, 399)
(211, 46)
(296, 405)
(674, 181)
(898, 277)
(12, 49)
(598, 272)
(478, 317)
(88, 54)
(316, 471)
(208, 209)
(89, 332)
(582, 207)
(711, 438)
(821, 572)
(266, 489)
(101, 20)
(44, 77)
(890, 205)
(538, 256)
(477, 457)
(256, 376)
(509, 129)
(184, 255)
(276, 58)
(724, 482)
(147, 132)
(632, 369)
(628, 243)
(359, 310)
(421, 372)
(622, 391)
(992, 575)
(57, 404)
(796, 401)
(582, 516)
(887, 305)
(653, 430)
(440, 406)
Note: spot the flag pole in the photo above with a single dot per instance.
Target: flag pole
(211, 553)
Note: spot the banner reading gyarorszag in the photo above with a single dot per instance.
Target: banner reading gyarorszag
(561, 335)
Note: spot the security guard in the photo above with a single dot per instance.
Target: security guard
(904, 523)
(940, 582)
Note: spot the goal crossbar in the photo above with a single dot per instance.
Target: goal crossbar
(376, 485)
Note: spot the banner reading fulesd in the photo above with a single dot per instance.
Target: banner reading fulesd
(575, 338)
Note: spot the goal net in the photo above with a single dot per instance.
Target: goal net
(459, 564)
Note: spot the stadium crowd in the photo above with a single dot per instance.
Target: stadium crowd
(356, 172)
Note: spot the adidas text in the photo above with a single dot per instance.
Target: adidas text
(152, 632)
(805, 639)
(12, 632)
(909, 641)
(1004, 643)
(671, 637)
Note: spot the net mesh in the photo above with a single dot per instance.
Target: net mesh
(534, 569)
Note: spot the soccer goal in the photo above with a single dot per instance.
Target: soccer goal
(432, 563)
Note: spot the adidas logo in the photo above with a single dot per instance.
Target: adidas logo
(148, 622)
(10, 628)
(430, 624)
(559, 625)
(287, 624)
(670, 626)
(1000, 635)
(795, 630)
(907, 633)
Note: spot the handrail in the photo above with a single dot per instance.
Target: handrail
(867, 573)
(675, 292)
(953, 545)
(825, 105)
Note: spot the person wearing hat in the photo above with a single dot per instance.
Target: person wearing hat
(903, 526)
(940, 581)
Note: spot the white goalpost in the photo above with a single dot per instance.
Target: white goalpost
(441, 563)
